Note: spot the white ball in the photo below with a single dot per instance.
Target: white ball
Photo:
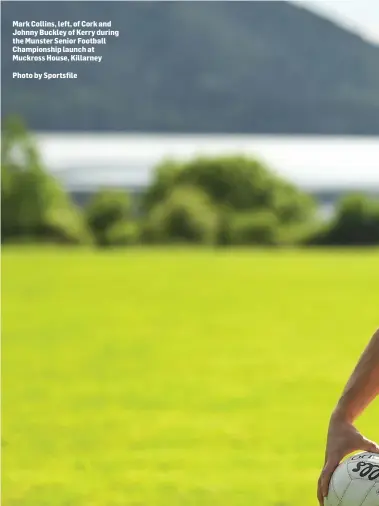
(355, 482)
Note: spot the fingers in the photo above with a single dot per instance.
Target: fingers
(370, 446)
(332, 464)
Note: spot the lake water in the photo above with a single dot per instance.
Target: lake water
(87, 161)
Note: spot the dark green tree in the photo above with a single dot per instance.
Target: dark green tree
(234, 184)
(34, 205)
(106, 209)
(260, 228)
(356, 222)
(185, 215)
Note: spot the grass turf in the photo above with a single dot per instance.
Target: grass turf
(177, 378)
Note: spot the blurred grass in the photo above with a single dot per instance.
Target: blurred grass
(177, 378)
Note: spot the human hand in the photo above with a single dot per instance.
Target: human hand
(343, 439)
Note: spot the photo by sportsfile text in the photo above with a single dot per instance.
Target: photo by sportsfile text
(44, 75)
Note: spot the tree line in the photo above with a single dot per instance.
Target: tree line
(217, 201)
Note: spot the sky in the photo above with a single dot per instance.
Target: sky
(361, 16)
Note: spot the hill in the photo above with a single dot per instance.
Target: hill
(233, 67)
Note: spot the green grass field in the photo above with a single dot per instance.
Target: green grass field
(177, 378)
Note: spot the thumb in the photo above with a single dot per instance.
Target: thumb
(326, 475)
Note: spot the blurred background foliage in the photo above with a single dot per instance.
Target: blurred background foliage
(230, 200)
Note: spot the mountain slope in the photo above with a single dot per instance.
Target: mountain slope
(259, 67)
